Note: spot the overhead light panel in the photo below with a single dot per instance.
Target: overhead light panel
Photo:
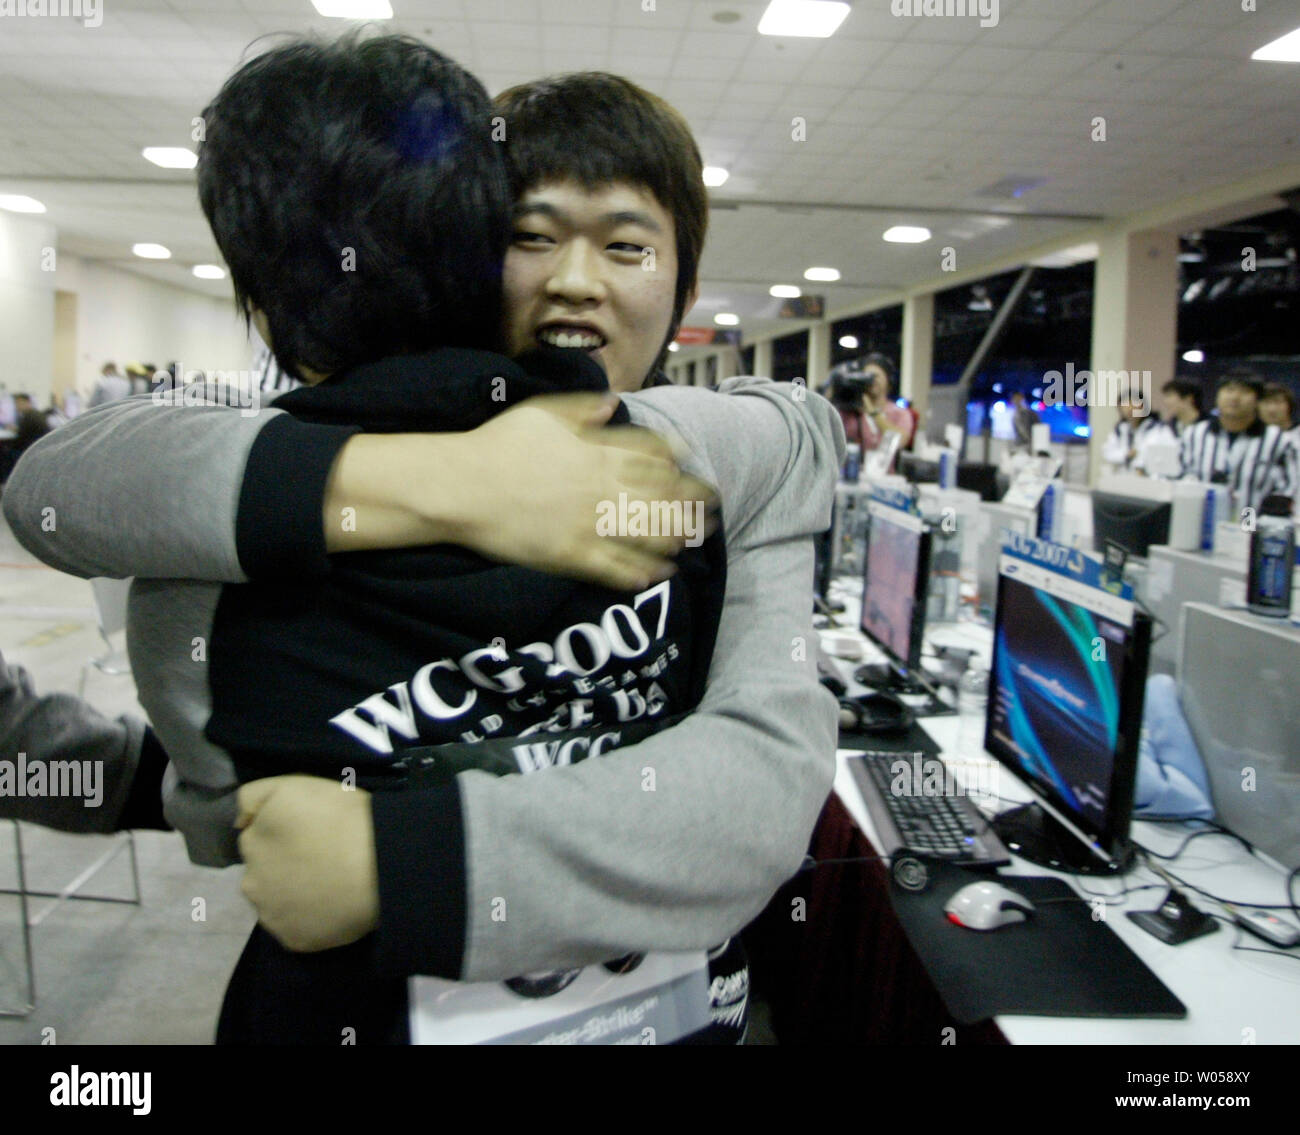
(811, 18)
(152, 251)
(785, 291)
(826, 275)
(849, 342)
(906, 234)
(209, 271)
(17, 203)
(715, 176)
(1194, 356)
(171, 157)
(726, 319)
(354, 9)
(1284, 50)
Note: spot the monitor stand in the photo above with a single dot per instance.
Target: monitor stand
(887, 676)
(1035, 834)
(884, 676)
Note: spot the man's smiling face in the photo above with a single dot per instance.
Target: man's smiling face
(580, 273)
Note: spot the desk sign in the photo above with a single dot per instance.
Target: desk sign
(1068, 573)
(893, 498)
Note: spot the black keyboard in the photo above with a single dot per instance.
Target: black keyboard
(907, 816)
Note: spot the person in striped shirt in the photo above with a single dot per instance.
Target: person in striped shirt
(1238, 449)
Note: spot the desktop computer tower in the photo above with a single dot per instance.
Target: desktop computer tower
(1239, 684)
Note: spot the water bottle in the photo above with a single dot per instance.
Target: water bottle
(852, 462)
(972, 709)
(1272, 544)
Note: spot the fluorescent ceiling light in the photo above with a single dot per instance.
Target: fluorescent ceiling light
(715, 176)
(849, 342)
(1194, 356)
(726, 319)
(906, 234)
(1068, 257)
(829, 275)
(784, 291)
(171, 157)
(152, 251)
(354, 9)
(17, 203)
(209, 271)
(816, 18)
(1284, 50)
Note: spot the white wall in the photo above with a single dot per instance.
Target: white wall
(127, 318)
(26, 304)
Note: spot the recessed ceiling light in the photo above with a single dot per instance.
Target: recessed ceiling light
(152, 251)
(209, 271)
(17, 203)
(1194, 356)
(726, 319)
(1283, 50)
(817, 18)
(354, 9)
(829, 275)
(849, 342)
(171, 157)
(715, 176)
(906, 234)
(785, 291)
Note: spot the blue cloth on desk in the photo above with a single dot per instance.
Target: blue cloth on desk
(1172, 783)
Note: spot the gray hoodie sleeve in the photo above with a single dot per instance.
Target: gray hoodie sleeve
(677, 842)
(135, 488)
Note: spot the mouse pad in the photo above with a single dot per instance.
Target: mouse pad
(1058, 963)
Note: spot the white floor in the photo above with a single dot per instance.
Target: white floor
(106, 973)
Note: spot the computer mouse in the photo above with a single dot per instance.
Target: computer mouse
(875, 713)
(987, 906)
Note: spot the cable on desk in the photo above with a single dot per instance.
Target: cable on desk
(1236, 941)
(1289, 905)
(809, 863)
(1212, 829)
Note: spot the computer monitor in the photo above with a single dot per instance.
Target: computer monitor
(1065, 714)
(895, 582)
(979, 478)
(1134, 523)
(917, 470)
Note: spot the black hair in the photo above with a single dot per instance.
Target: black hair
(355, 191)
(1242, 376)
(1185, 388)
(1277, 390)
(598, 129)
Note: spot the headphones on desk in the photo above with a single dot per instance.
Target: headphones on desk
(874, 714)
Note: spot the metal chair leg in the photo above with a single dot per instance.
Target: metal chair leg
(26, 929)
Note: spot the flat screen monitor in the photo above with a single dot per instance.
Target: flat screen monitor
(918, 471)
(1065, 714)
(1131, 522)
(895, 580)
(978, 478)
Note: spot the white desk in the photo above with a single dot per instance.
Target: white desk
(1226, 991)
